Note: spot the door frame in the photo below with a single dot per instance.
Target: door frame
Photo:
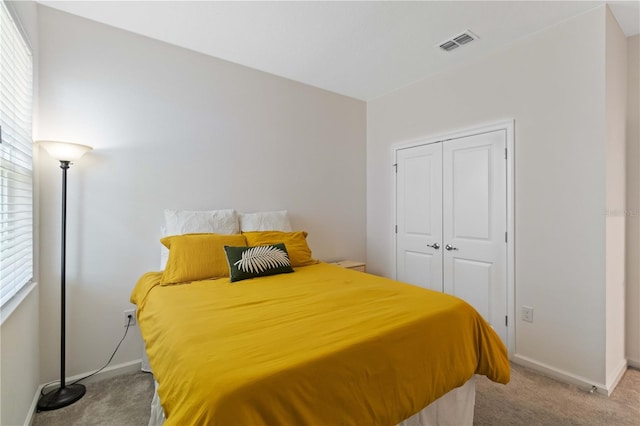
(508, 126)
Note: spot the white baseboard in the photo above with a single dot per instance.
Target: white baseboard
(633, 363)
(547, 370)
(617, 376)
(32, 409)
(107, 373)
(563, 376)
(586, 384)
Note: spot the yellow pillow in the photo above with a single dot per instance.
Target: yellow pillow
(194, 257)
(295, 242)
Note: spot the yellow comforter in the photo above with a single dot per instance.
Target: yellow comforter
(321, 346)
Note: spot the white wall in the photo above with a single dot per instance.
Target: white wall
(553, 85)
(633, 201)
(175, 129)
(19, 332)
(19, 361)
(616, 116)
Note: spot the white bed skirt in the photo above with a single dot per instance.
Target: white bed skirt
(453, 409)
(145, 362)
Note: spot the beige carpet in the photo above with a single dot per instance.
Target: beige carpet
(119, 401)
(530, 399)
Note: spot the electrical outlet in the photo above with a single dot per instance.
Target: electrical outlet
(132, 313)
(527, 313)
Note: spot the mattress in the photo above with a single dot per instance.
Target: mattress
(322, 345)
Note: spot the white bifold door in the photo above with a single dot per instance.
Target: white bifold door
(451, 202)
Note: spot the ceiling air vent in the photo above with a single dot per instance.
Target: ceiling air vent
(448, 45)
(457, 41)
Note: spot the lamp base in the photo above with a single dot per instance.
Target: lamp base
(61, 397)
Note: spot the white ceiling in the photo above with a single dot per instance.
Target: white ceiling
(361, 49)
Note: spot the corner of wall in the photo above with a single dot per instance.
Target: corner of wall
(616, 115)
(632, 276)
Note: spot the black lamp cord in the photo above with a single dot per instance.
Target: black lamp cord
(42, 392)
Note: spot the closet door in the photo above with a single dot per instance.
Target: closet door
(419, 216)
(474, 226)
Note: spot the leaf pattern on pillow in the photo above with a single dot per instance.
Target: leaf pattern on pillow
(261, 258)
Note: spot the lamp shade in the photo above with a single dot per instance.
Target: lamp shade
(65, 151)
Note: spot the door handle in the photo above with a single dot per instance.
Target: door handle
(434, 246)
(449, 247)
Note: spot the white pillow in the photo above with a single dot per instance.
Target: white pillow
(178, 222)
(265, 221)
(164, 252)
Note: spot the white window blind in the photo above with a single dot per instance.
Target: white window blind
(16, 176)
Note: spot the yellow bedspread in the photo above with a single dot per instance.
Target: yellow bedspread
(321, 346)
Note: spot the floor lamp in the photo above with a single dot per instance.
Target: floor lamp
(65, 395)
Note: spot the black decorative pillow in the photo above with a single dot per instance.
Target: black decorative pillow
(258, 261)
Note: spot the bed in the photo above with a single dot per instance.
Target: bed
(315, 344)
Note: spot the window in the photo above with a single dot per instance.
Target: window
(16, 175)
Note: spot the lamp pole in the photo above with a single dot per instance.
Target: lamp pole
(65, 394)
(64, 165)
